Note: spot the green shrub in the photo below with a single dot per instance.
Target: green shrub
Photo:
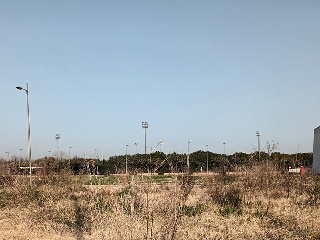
(192, 211)
(229, 210)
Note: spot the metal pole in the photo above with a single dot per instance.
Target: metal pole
(188, 156)
(145, 126)
(145, 140)
(29, 137)
(207, 160)
(69, 156)
(297, 153)
(57, 137)
(127, 159)
(20, 159)
(224, 148)
(258, 135)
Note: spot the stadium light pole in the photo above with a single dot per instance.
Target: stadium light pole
(145, 126)
(127, 159)
(258, 135)
(29, 138)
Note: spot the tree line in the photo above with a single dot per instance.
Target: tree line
(159, 162)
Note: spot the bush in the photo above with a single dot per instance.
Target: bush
(192, 211)
(227, 196)
(7, 181)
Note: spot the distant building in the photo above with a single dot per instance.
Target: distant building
(316, 151)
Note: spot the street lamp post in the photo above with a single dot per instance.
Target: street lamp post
(69, 156)
(297, 153)
(207, 160)
(136, 147)
(29, 139)
(188, 156)
(57, 137)
(224, 148)
(20, 149)
(160, 143)
(145, 126)
(258, 135)
(8, 155)
(127, 159)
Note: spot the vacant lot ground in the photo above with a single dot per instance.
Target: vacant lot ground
(253, 204)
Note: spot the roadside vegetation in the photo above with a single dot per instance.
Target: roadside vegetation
(240, 197)
(257, 202)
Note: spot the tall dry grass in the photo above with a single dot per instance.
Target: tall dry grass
(254, 203)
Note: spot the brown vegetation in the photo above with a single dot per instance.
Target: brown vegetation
(256, 203)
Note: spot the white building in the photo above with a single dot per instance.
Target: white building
(316, 151)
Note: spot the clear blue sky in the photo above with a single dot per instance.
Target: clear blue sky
(205, 71)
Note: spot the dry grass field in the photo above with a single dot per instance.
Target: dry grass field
(256, 203)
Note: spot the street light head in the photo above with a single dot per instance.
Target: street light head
(257, 133)
(19, 88)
